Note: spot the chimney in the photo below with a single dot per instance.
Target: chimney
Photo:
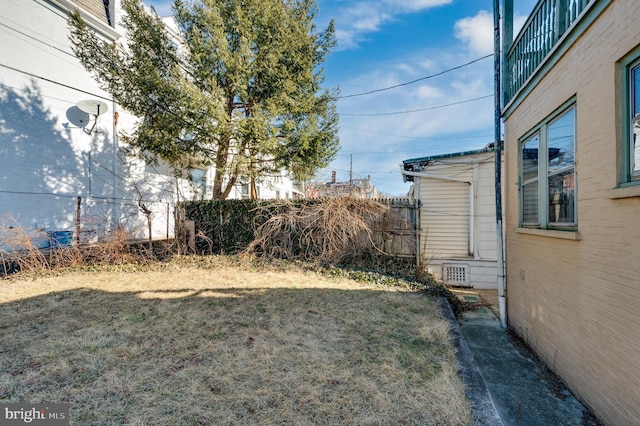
(333, 176)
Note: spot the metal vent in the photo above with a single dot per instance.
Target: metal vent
(455, 274)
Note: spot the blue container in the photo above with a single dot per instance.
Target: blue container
(60, 238)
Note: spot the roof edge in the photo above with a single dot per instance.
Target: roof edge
(484, 150)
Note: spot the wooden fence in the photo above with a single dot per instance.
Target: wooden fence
(395, 232)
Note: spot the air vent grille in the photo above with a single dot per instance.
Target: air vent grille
(455, 274)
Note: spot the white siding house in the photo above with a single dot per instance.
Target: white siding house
(457, 216)
(62, 169)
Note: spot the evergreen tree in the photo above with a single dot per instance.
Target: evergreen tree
(240, 89)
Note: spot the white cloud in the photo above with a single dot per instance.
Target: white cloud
(429, 92)
(416, 5)
(518, 22)
(426, 64)
(363, 17)
(477, 31)
(354, 22)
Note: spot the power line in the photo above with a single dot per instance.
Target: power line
(417, 80)
(55, 82)
(415, 137)
(38, 40)
(419, 110)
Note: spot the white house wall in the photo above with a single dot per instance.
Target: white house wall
(47, 158)
(444, 220)
(453, 231)
(485, 211)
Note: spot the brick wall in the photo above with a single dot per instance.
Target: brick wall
(577, 302)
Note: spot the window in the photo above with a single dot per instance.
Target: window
(198, 183)
(530, 180)
(628, 143)
(631, 156)
(547, 172)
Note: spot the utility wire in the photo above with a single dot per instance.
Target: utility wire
(417, 80)
(55, 82)
(419, 110)
(414, 137)
(37, 39)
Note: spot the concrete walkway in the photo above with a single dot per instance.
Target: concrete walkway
(506, 384)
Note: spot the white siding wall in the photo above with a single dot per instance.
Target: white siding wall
(444, 218)
(486, 211)
(47, 159)
(482, 273)
(448, 220)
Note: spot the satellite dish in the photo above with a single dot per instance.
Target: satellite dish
(93, 107)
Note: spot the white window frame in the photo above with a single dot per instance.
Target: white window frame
(544, 174)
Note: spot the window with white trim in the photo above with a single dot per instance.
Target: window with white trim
(547, 172)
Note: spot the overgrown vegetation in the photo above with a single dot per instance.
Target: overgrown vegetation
(225, 226)
(229, 340)
(327, 232)
(33, 251)
(332, 237)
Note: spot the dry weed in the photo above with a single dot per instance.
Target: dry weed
(31, 250)
(327, 232)
(19, 247)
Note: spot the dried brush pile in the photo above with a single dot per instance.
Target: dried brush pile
(328, 232)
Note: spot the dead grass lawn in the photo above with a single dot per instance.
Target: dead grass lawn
(225, 346)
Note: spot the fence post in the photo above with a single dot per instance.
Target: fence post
(78, 207)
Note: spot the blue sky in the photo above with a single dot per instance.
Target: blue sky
(383, 43)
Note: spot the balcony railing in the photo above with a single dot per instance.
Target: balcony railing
(547, 23)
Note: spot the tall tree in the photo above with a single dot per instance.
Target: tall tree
(239, 89)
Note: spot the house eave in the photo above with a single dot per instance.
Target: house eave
(99, 26)
(450, 155)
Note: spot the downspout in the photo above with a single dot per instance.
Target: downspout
(476, 251)
(471, 199)
(502, 300)
(416, 212)
(472, 220)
